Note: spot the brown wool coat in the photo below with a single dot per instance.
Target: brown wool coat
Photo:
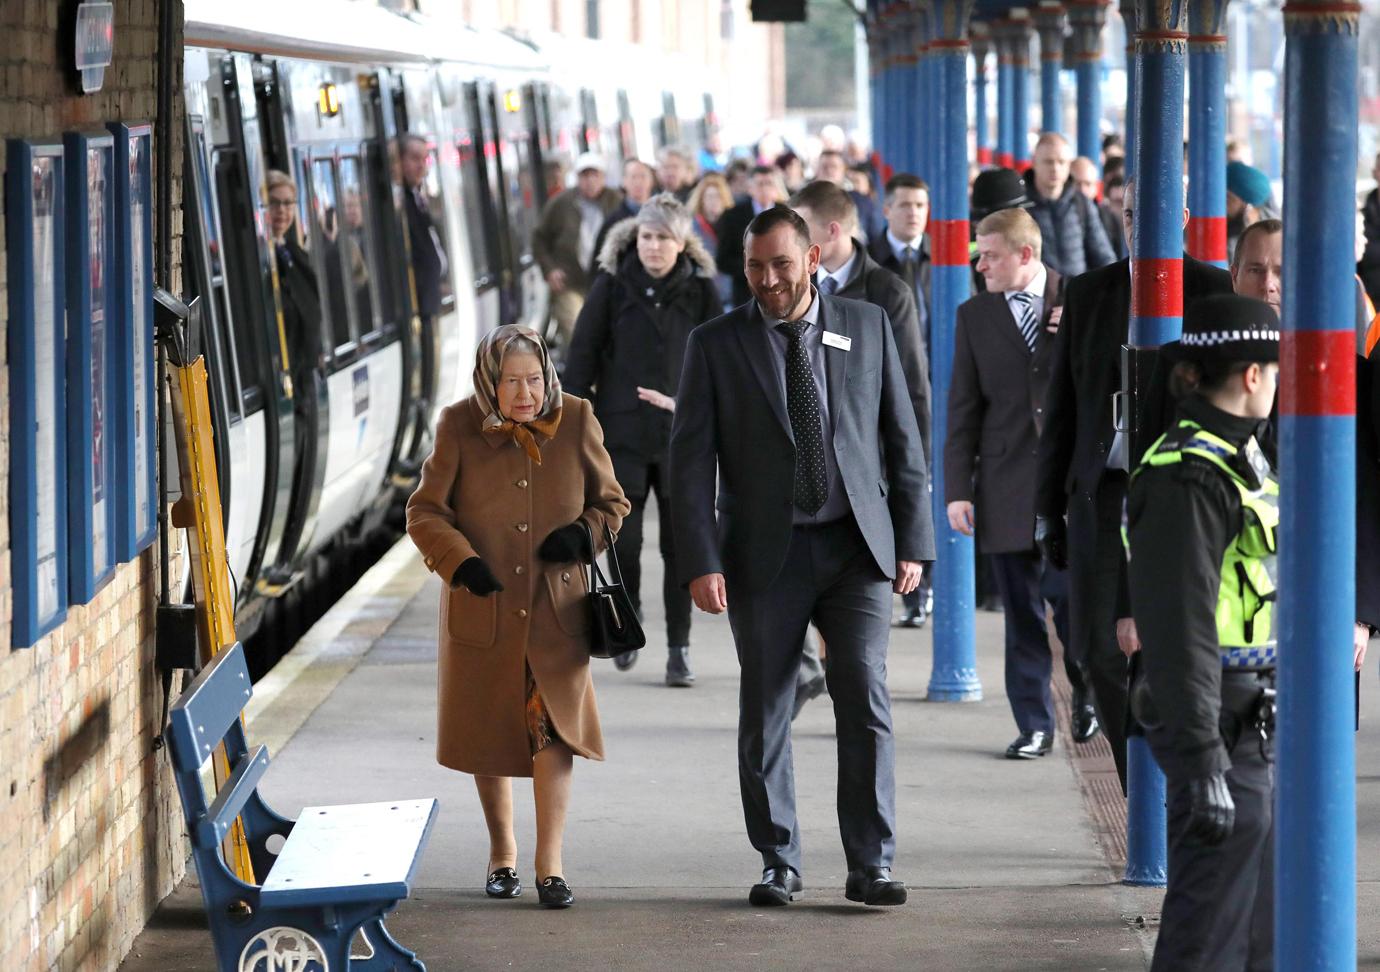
(481, 496)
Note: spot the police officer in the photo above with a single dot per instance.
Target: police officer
(1203, 511)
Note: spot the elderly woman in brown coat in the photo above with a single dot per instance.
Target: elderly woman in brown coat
(515, 488)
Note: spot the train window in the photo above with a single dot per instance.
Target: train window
(202, 257)
(426, 215)
(472, 197)
(359, 247)
(521, 181)
(242, 267)
(327, 250)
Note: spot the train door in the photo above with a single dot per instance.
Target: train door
(509, 274)
(302, 292)
(383, 183)
(627, 132)
(591, 139)
(242, 291)
(479, 203)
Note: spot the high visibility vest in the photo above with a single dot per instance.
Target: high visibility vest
(1246, 594)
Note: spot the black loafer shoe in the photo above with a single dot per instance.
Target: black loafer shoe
(780, 886)
(1030, 745)
(555, 893)
(874, 886)
(1083, 717)
(503, 883)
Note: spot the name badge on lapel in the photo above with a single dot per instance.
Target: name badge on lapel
(832, 340)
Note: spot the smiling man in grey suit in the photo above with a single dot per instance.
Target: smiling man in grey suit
(798, 402)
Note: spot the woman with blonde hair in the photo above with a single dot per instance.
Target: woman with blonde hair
(710, 200)
(514, 492)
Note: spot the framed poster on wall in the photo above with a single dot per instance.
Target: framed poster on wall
(34, 232)
(134, 383)
(90, 311)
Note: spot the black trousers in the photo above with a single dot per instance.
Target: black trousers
(1097, 559)
(1026, 583)
(833, 581)
(1218, 911)
(675, 599)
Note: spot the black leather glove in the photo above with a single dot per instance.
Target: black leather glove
(565, 545)
(1052, 537)
(476, 575)
(1211, 812)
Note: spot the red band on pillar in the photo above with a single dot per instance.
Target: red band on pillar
(1157, 288)
(984, 156)
(949, 242)
(1322, 366)
(1207, 238)
(1005, 160)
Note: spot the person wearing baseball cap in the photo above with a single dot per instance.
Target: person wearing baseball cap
(1203, 516)
(564, 239)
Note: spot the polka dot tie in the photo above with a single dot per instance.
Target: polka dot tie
(802, 404)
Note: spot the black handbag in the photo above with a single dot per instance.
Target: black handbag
(613, 625)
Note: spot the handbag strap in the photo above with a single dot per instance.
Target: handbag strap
(595, 574)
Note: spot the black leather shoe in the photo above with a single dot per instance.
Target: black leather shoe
(780, 886)
(805, 691)
(503, 883)
(555, 893)
(874, 886)
(1084, 717)
(1030, 745)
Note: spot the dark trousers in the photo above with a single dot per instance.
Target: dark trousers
(676, 599)
(1026, 583)
(1218, 911)
(1097, 559)
(830, 579)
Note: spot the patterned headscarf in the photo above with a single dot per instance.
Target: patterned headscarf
(488, 368)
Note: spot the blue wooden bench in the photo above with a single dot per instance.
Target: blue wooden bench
(330, 875)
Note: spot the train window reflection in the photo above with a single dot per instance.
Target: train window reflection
(358, 246)
(327, 247)
(521, 187)
(472, 198)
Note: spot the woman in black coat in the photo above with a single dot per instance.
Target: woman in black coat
(655, 285)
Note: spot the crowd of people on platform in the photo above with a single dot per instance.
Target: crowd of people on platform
(754, 347)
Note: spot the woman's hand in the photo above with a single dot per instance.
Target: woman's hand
(565, 544)
(476, 575)
(654, 397)
(1360, 638)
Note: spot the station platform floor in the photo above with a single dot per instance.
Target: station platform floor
(1004, 860)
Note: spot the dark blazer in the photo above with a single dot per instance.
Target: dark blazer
(880, 250)
(729, 256)
(428, 260)
(996, 411)
(1087, 371)
(869, 281)
(731, 420)
(1368, 489)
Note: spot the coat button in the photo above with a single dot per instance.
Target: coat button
(566, 577)
(522, 612)
(522, 484)
(522, 527)
(518, 569)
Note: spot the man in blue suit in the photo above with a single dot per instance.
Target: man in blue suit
(795, 403)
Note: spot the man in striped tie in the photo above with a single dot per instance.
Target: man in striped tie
(1002, 346)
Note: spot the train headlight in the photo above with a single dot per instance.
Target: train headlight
(328, 100)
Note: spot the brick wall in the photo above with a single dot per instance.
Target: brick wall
(90, 830)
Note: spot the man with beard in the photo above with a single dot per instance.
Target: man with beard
(796, 404)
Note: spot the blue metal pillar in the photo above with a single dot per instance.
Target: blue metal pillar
(1006, 138)
(876, 86)
(1020, 87)
(1086, 18)
(1315, 841)
(1207, 132)
(922, 106)
(1128, 20)
(1049, 24)
(953, 677)
(981, 41)
(1157, 296)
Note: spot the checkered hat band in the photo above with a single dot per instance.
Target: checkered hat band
(1210, 339)
(1259, 656)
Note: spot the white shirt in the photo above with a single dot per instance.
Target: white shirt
(1036, 288)
(840, 275)
(898, 246)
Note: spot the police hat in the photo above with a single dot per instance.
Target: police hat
(1227, 327)
(997, 189)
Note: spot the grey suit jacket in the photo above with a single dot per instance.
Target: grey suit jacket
(731, 418)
